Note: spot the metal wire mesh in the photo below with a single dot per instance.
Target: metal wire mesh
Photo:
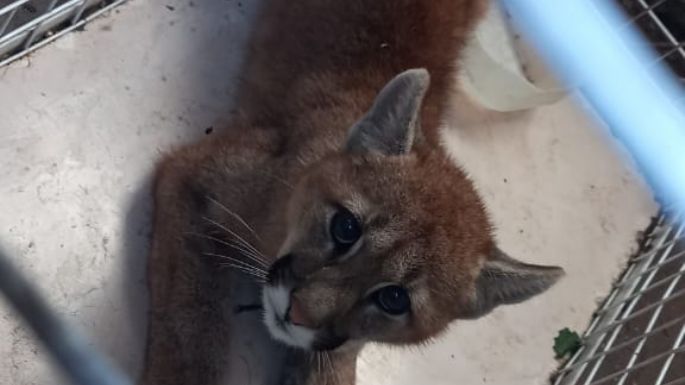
(26, 25)
(637, 336)
(663, 23)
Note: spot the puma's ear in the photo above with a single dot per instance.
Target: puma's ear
(392, 124)
(504, 280)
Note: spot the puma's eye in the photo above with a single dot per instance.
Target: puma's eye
(392, 299)
(345, 229)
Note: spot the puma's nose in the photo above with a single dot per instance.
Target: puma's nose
(296, 314)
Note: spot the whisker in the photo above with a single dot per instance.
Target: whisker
(324, 365)
(334, 374)
(237, 261)
(234, 234)
(318, 363)
(258, 277)
(245, 252)
(236, 216)
(254, 259)
(238, 237)
(244, 269)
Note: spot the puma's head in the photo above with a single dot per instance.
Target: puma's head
(388, 240)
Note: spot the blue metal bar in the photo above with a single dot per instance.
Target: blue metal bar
(588, 44)
(82, 364)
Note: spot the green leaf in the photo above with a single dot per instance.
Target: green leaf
(566, 343)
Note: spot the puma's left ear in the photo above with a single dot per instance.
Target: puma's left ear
(504, 280)
(392, 123)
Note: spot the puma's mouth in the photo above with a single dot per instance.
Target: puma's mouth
(277, 309)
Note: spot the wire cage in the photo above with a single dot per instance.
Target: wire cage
(663, 23)
(637, 335)
(26, 25)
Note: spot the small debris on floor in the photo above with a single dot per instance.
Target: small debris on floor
(566, 343)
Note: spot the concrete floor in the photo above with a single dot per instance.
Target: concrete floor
(83, 120)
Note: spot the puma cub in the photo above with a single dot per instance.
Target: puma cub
(331, 189)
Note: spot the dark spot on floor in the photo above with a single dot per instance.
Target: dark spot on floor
(209, 130)
(170, 7)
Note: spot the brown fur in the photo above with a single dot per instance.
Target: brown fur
(314, 69)
(425, 224)
(316, 65)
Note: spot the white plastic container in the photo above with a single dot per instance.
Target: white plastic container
(500, 72)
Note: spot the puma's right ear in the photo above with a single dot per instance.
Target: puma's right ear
(392, 123)
(504, 280)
